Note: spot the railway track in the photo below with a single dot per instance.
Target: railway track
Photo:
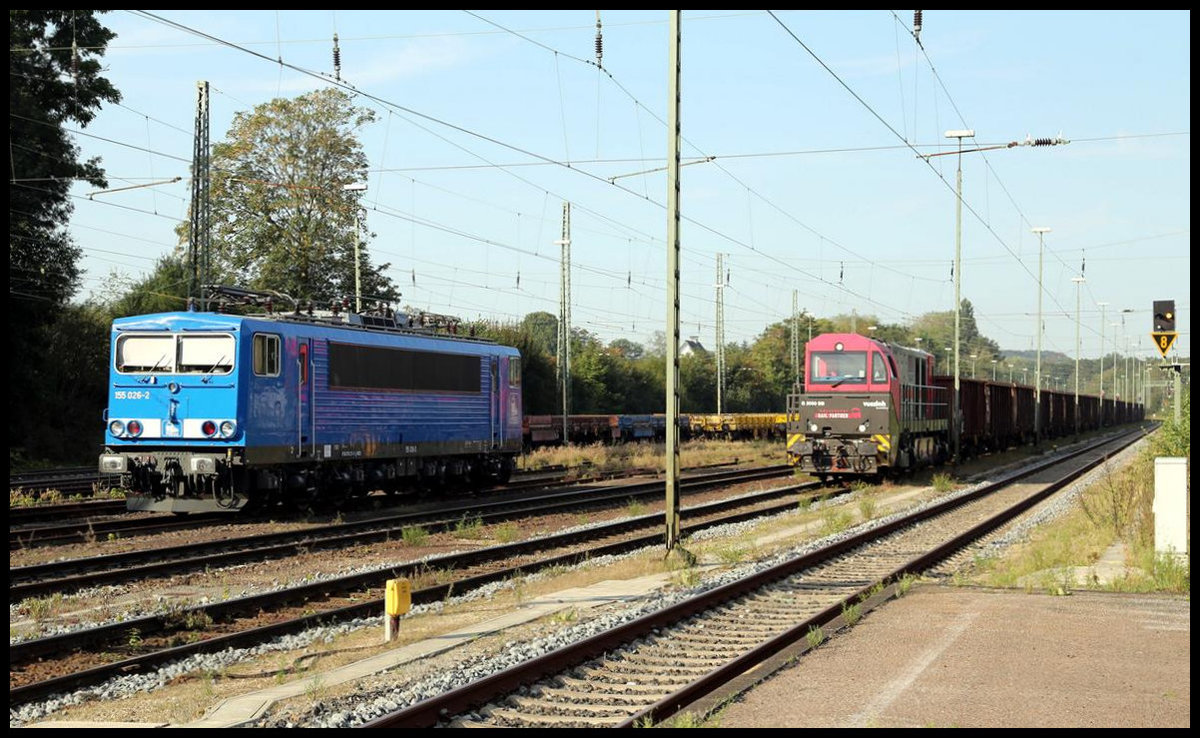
(68, 576)
(72, 480)
(644, 671)
(37, 666)
(24, 533)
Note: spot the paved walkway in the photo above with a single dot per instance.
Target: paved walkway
(957, 657)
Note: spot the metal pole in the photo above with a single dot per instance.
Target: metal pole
(357, 187)
(1102, 305)
(672, 450)
(1037, 392)
(1178, 392)
(198, 233)
(357, 271)
(954, 408)
(795, 337)
(564, 318)
(720, 333)
(1128, 387)
(1078, 281)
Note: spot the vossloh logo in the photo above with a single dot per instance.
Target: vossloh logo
(875, 404)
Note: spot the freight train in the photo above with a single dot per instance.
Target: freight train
(868, 406)
(210, 411)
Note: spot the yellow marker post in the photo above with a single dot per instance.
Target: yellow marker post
(397, 600)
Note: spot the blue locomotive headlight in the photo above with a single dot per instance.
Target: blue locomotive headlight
(228, 428)
(116, 428)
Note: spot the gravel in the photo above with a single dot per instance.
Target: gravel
(370, 702)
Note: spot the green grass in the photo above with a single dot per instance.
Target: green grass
(1117, 508)
(943, 482)
(867, 508)
(852, 613)
(634, 508)
(414, 535)
(506, 532)
(834, 521)
(815, 636)
(859, 485)
(732, 554)
(468, 527)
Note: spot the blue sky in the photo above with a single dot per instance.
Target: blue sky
(492, 119)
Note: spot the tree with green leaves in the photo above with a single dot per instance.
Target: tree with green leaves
(162, 290)
(281, 216)
(55, 83)
(542, 328)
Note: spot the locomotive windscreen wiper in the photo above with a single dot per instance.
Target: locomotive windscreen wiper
(212, 369)
(154, 368)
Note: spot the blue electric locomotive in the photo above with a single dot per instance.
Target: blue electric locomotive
(211, 411)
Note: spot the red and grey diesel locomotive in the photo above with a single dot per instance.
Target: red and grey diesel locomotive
(869, 406)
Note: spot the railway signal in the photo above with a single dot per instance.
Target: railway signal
(1164, 326)
(1164, 316)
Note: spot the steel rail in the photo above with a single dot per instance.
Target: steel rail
(463, 699)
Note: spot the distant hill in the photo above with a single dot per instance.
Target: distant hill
(1051, 357)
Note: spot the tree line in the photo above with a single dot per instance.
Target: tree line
(285, 201)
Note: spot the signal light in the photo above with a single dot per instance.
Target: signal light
(209, 428)
(134, 428)
(116, 427)
(1164, 316)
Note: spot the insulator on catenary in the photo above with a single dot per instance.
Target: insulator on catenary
(1043, 142)
(599, 42)
(74, 60)
(917, 23)
(337, 59)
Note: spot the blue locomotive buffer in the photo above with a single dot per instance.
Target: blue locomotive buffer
(215, 412)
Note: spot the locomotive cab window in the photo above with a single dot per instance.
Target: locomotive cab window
(878, 368)
(514, 371)
(836, 367)
(266, 355)
(145, 354)
(206, 354)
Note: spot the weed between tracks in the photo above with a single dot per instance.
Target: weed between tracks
(598, 457)
(471, 528)
(943, 483)
(1058, 556)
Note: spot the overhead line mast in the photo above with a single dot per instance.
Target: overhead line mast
(564, 319)
(198, 231)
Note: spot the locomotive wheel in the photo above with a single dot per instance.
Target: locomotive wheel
(506, 470)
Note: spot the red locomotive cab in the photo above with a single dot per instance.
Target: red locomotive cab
(867, 405)
(850, 363)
